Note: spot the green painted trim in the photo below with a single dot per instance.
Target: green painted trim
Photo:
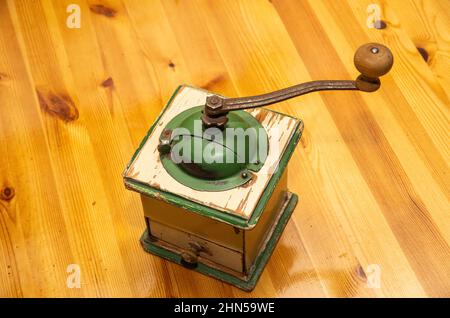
(187, 204)
(276, 176)
(260, 262)
(209, 212)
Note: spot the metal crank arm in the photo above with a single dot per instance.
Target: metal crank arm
(372, 60)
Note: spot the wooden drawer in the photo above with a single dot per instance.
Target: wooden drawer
(211, 251)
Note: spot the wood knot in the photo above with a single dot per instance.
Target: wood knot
(360, 273)
(171, 65)
(103, 10)
(380, 24)
(58, 105)
(7, 193)
(108, 83)
(423, 53)
(210, 84)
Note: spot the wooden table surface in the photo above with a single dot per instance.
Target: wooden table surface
(372, 170)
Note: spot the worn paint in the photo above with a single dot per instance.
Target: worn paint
(157, 178)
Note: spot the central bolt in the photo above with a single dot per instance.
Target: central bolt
(214, 100)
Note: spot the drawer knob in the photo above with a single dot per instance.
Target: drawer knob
(189, 259)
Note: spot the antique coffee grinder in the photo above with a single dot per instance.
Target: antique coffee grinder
(211, 173)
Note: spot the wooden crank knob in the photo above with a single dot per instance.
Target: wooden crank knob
(372, 60)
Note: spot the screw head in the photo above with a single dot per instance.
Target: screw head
(164, 146)
(374, 50)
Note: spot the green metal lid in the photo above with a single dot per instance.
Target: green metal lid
(213, 159)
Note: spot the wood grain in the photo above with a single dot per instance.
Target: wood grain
(372, 170)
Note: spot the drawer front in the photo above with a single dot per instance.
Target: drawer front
(178, 218)
(213, 252)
